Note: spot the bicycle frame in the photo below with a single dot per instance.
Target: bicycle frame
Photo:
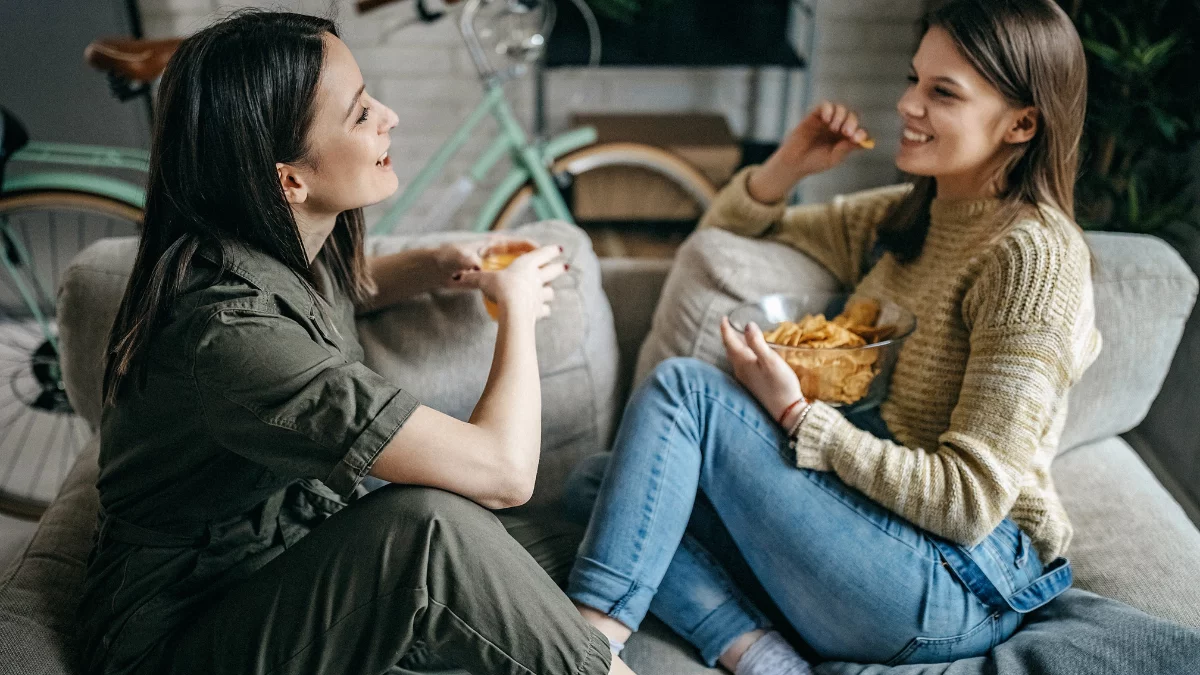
(80, 155)
(69, 154)
(529, 161)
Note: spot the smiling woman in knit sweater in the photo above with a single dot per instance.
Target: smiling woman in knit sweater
(739, 512)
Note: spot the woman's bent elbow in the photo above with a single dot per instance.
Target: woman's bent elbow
(514, 487)
(509, 496)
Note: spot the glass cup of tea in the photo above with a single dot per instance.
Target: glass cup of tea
(498, 256)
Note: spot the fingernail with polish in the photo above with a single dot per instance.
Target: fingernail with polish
(560, 249)
(566, 267)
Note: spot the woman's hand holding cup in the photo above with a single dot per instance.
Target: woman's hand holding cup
(515, 278)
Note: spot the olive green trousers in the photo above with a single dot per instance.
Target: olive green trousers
(404, 578)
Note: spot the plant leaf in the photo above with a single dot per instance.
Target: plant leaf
(1158, 52)
(1131, 192)
(1122, 32)
(1167, 124)
(1111, 57)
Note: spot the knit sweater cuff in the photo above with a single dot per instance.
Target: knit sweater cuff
(747, 215)
(817, 437)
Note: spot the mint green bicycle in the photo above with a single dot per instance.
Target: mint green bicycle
(47, 217)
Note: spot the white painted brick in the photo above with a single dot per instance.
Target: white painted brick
(172, 7)
(876, 9)
(845, 35)
(393, 59)
(877, 94)
(442, 33)
(461, 92)
(225, 6)
(175, 25)
(864, 64)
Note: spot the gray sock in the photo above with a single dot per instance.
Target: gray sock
(772, 655)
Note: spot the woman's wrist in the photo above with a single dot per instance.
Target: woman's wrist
(771, 182)
(793, 413)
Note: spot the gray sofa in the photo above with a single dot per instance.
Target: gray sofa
(1133, 542)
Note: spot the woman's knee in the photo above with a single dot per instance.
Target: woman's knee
(409, 505)
(683, 374)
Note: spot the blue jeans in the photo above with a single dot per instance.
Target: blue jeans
(700, 473)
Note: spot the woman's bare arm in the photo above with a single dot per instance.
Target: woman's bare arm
(491, 459)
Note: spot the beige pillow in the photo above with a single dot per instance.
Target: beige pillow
(714, 272)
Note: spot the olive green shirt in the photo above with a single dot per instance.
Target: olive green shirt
(255, 422)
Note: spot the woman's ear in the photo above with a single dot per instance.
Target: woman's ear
(1023, 127)
(295, 187)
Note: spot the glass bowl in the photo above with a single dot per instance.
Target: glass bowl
(849, 378)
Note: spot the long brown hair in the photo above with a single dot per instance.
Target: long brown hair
(235, 99)
(1029, 51)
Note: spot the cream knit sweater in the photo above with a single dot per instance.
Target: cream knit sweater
(978, 399)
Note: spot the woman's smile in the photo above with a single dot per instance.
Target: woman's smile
(911, 137)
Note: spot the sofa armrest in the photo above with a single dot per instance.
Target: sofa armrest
(1166, 439)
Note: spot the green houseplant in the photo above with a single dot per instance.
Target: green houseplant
(1143, 116)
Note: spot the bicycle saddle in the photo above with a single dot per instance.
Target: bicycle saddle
(135, 60)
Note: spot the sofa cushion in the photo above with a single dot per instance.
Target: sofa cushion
(88, 298)
(39, 592)
(714, 272)
(438, 346)
(1144, 293)
(1132, 542)
(1143, 290)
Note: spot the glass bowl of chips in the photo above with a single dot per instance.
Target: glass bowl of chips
(845, 361)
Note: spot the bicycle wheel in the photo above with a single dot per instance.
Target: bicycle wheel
(691, 184)
(40, 435)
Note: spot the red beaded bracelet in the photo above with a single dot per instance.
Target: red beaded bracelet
(784, 414)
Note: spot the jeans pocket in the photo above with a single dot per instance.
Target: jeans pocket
(974, 642)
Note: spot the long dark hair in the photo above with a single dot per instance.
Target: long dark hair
(1029, 51)
(236, 98)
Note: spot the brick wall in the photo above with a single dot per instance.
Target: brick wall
(423, 72)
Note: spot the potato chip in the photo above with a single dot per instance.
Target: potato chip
(839, 373)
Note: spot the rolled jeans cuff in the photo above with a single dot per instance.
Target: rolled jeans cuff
(723, 626)
(604, 589)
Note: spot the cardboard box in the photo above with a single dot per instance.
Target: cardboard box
(628, 193)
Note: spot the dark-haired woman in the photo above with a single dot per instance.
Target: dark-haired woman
(925, 532)
(240, 420)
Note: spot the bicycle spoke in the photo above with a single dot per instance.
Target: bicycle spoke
(20, 448)
(10, 342)
(41, 469)
(6, 406)
(64, 459)
(13, 417)
(10, 359)
(53, 251)
(38, 287)
(7, 319)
